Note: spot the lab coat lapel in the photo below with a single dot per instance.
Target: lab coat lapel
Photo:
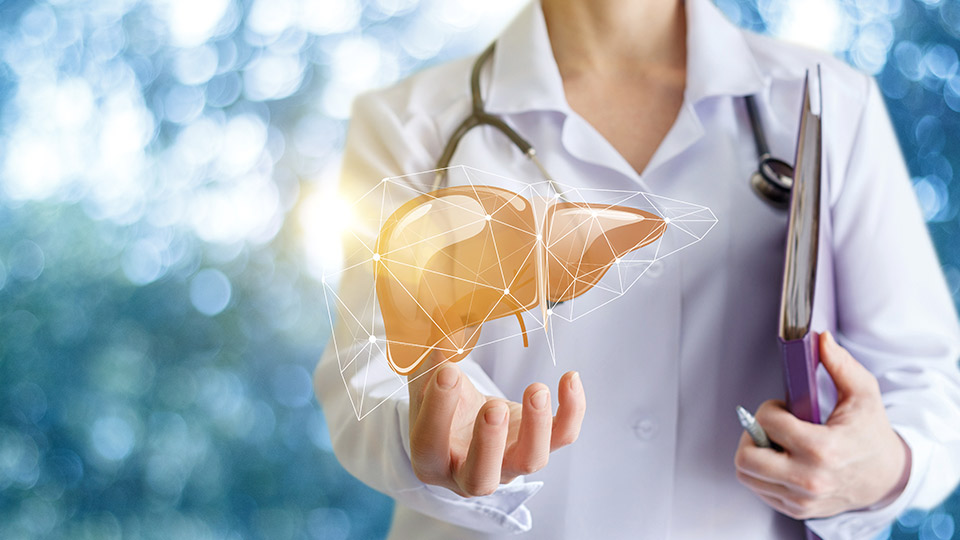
(719, 63)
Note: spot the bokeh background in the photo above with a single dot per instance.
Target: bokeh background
(166, 178)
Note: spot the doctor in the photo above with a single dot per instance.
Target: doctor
(646, 95)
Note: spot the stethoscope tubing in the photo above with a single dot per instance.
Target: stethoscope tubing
(771, 181)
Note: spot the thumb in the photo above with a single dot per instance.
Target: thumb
(849, 376)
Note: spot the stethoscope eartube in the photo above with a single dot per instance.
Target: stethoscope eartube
(478, 117)
(772, 180)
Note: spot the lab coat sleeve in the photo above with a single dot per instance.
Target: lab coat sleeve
(376, 448)
(895, 315)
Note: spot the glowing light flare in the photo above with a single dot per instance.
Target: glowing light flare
(191, 23)
(819, 24)
(325, 217)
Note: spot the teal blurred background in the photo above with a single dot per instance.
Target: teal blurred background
(166, 179)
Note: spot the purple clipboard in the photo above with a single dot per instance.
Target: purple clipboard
(800, 360)
(799, 344)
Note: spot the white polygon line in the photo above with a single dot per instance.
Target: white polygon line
(497, 250)
(366, 374)
(419, 305)
(353, 404)
(354, 357)
(454, 277)
(383, 353)
(483, 251)
(423, 269)
(336, 349)
(368, 192)
(578, 276)
(687, 245)
(333, 333)
(382, 401)
(346, 308)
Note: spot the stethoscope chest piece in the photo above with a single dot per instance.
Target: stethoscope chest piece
(772, 182)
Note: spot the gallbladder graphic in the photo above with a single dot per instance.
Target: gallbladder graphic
(448, 261)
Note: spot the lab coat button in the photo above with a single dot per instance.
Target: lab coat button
(655, 269)
(646, 429)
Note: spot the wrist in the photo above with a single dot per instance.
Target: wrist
(902, 480)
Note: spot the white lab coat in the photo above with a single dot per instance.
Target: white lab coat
(665, 365)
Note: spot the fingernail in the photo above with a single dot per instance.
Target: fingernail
(447, 377)
(575, 383)
(495, 415)
(830, 339)
(539, 399)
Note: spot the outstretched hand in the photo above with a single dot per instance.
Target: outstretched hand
(854, 461)
(471, 443)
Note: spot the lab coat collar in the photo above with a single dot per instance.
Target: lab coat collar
(719, 61)
(525, 76)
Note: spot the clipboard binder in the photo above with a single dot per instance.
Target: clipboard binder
(800, 345)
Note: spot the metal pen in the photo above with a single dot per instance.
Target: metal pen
(754, 429)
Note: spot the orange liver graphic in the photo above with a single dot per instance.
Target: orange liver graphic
(452, 259)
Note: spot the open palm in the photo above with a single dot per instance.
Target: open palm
(471, 443)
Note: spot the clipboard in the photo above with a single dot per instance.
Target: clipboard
(800, 345)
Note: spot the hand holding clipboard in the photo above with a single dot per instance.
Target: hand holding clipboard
(858, 430)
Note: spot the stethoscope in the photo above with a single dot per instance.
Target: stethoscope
(771, 181)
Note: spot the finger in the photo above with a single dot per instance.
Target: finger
(430, 434)
(762, 487)
(780, 505)
(792, 434)
(763, 463)
(480, 472)
(573, 405)
(419, 379)
(533, 442)
(849, 376)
